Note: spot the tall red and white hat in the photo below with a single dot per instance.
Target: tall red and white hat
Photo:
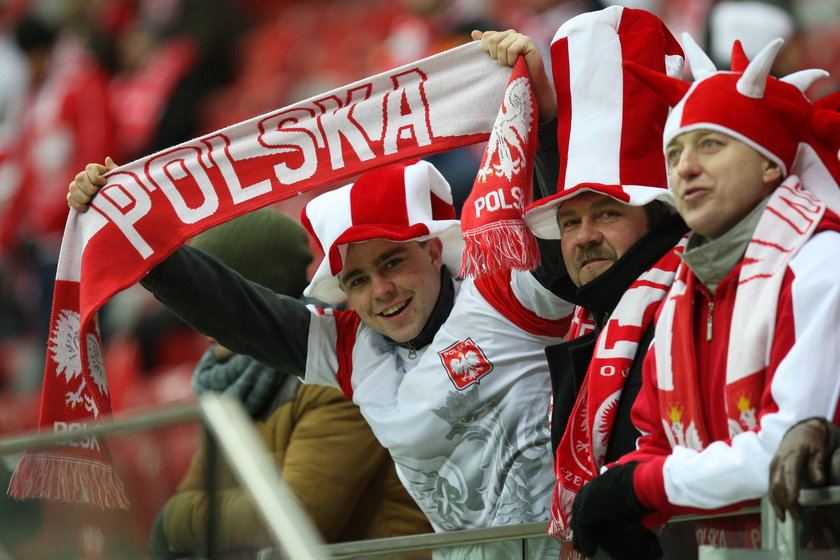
(405, 201)
(771, 115)
(609, 124)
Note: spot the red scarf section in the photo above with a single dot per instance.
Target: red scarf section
(150, 207)
(495, 235)
(581, 451)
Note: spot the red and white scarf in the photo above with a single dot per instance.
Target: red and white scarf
(787, 222)
(150, 207)
(580, 454)
(495, 235)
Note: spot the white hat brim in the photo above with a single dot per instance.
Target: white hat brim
(326, 287)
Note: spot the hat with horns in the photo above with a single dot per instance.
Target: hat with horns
(771, 115)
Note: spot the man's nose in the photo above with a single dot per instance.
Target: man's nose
(382, 286)
(588, 234)
(688, 164)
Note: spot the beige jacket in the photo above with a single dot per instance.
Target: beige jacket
(332, 462)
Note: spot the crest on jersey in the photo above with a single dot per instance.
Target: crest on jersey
(465, 362)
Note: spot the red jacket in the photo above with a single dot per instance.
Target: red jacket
(799, 381)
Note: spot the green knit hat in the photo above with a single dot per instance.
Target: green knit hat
(265, 246)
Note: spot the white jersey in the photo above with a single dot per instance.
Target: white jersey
(465, 418)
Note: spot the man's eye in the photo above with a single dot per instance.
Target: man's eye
(356, 282)
(568, 225)
(393, 263)
(608, 214)
(673, 156)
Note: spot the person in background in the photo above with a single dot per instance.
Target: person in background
(60, 123)
(745, 345)
(754, 23)
(323, 447)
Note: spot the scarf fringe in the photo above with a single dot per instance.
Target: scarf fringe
(69, 479)
(557, 529)
(502, 245)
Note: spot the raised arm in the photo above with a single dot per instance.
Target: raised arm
(505, 47)
(214, 299)
(240, 315)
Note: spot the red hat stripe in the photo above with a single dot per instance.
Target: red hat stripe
(442, 209)
(646, 111)
(560, 73)
(371, 205)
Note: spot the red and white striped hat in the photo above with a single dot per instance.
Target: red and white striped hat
(405, 201)
(609, 124)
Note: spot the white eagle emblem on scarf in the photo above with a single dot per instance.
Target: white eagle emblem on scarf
(505, 154)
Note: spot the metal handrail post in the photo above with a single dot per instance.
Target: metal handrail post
(286, 521)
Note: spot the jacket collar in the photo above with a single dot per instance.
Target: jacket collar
(712, 259)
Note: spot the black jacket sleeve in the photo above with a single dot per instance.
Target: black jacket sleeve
(240, 315)
(546, 172)
(547, 161)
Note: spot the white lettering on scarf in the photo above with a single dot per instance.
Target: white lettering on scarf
(324, 131)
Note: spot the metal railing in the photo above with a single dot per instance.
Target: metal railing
(230, 431)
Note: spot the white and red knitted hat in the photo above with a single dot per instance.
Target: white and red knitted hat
(771, 115)
(405, 201)
(609, 124)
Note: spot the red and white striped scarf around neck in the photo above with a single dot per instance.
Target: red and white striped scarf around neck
(787, 222)
(580, 454)
(150, 207)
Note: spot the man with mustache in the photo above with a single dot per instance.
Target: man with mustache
(617, 227)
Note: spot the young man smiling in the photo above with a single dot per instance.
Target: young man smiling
(393, 286)
(450, 374)
(745, 345)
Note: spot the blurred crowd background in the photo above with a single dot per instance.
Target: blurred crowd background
(82, 79)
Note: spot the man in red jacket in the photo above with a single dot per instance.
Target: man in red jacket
(747, 335)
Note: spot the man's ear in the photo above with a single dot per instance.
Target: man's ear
(772, 173)
(435, 246)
